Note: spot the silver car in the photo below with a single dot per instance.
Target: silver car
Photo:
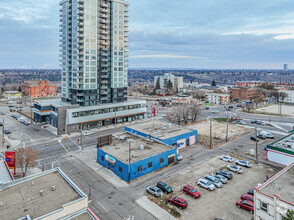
(221, 178)
(215, 181)
(206, 184)
(235, 168)
(154, 190)
(243, 163)
(226, 158)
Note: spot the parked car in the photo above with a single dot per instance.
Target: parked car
(253, 121)
(178, 201)
(226, 158)
(2, 113)
(86, 133)
(225, 173)
(206, 184)
(11, 106)
(235, 168)
(206, 108)
(250, 192)
(221, 178)
(261, 136)
(215, 181)
(267, 134)
(245, 204)
(154, 191)
(247, 197)
(263, 123)
(230, 106)
(258, 122)
(179, 157)
(27, 123)
(254, 138)
(240, 122)
(7, 131)
(215, 112)
(164, 187)
(243, 163)
(191, 191)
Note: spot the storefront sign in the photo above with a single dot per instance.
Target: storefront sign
(10, 159)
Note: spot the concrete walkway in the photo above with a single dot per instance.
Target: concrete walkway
(154, 209)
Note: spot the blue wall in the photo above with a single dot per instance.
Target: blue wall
(134, 166)
(155, 164)
(169, 141)
(125, 168)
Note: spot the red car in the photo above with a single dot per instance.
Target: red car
(178, 201)
(247, 197)
(191, 191)
(245, 204)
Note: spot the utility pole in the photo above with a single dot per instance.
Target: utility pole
(256, 149)
(227, 131)
(2, 135)
(129, 163)
(210, 137)
(31, 109)
(81, 141)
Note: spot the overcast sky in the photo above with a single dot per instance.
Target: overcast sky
(163, 34)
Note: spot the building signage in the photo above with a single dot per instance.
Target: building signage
(110, 159)
(10, 159)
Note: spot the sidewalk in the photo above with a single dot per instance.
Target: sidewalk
(89, 157)
(154, 209)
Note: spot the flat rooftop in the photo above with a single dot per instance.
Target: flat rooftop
(286, 143)
(282, 184)
(23, 198)
(160, 129)
(4, 173)
(120, 148)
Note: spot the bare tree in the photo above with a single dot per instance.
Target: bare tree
(180, 113)
(247, 107)
(283, 96)
(195, 111)
(25, 158)
(198, 94)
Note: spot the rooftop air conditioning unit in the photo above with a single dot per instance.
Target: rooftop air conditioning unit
(141, 147)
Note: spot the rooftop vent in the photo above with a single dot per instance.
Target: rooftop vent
(53, 188)
(41, 192)
(274, 183)
(141, 147)
(122, 137)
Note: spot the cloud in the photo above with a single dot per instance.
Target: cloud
(165, 56)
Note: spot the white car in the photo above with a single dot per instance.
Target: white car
(227, 158)
(86, 133)
(179, 157)
(206, 184)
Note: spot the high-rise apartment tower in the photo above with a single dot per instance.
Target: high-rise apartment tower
(94, 51)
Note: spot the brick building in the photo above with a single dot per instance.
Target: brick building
(38, 88)
(242, 94)
(277, 85)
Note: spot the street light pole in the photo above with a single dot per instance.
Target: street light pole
(256, 147)
(129, 163)
(210, 138)
(81, 141)
(227, 130)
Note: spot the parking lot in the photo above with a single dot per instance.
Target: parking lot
(220, 202)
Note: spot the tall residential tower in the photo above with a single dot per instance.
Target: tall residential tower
(94, 51)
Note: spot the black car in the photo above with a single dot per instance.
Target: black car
(11, 106)
(225, 173)
(164, 187)
(254, 138)
(250, 192)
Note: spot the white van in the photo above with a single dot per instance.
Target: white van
(267, 134)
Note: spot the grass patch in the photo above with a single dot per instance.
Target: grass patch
(220, 119)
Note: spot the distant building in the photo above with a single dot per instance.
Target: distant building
(38, 88)
(217, 98)
(177, 82)
(277, 85)
(290, 96)
(285, 67)
(242, 94)
(46, 195)
(275, 197)
(12, 94)
(281, 151)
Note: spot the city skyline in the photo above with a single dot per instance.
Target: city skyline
(189, 34)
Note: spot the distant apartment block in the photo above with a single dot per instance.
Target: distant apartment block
(290, 96)
(216, 98)
(274, 198)
(38, 88)
(46, 195)
(177, 82)
(12, 94)
(278, 85)
(242, 94)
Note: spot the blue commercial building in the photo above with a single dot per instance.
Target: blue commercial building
(130, 157)
(165, 133)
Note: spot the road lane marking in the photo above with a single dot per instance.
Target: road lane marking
(105, 210)
(63, 146)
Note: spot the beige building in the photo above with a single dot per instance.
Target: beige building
(177, 82)
(273, 198)
(45, 196)
(217, 98)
